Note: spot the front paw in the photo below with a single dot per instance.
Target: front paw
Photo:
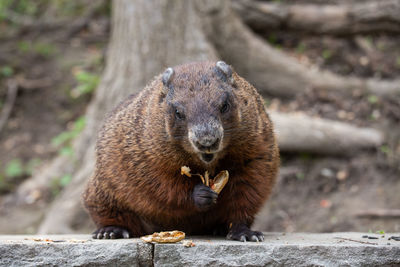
(204, 197)
(242, 233)
(110, 232)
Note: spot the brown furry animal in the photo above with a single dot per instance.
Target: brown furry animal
(202, 115)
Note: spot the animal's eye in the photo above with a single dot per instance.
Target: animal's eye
(225, 107)
(179, 115)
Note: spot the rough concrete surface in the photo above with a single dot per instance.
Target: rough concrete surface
(278, 249)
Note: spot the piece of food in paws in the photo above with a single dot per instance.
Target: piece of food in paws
(185, 170)
(207, 179)
(219, 182)
(216, 184)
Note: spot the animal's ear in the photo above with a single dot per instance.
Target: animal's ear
(226, 71)
(167, 77)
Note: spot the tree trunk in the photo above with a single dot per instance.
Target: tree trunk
(161, 34)
(148, 36)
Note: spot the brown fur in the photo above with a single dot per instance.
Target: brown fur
(137, 183)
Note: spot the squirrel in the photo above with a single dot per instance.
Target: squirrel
(202, 115)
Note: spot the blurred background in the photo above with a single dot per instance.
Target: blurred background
(329, 72)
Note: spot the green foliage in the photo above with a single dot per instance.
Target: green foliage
(301, 47)
(44, 49)
(32, 165)
(14, 168)
(381, 46)
(64, 139)
(6, 71)
(381, 232)
(3, 184)
(305, 156)
(65, 180)
(14, 171)
(326, 54)
(24, 7)
(373, 99)
(58, 183)
(39, 48)
(385, 149)
(24, 46)
(35, 8)
(87, 82)
(27, 7)
(69, 8)
(369, 40)
(4, 5)
(66, 151)
(300, 175)
(272, 39)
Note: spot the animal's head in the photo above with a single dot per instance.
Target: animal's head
(202, 107)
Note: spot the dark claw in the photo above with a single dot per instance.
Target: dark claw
(254, 238)
(242, 233)
(125, 234)
(110, 232)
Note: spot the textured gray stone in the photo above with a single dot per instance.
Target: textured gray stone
(277, 250)
(78, 250)
(283, 250)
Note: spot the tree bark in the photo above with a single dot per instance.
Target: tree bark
(344, 19)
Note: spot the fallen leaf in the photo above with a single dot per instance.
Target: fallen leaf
(325, 203)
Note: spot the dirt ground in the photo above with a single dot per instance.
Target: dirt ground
(315, 193)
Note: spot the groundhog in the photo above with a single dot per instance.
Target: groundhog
(202, 115)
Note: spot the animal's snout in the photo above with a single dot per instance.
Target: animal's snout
(206, 137)
(207, 143)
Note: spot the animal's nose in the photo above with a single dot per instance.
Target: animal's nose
(207, 143)
(206, 137)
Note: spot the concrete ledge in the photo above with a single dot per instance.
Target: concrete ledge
(344, 249)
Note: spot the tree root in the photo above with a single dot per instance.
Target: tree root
(271, 71)
(343, 19)
(300, 133)
(379, 213)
